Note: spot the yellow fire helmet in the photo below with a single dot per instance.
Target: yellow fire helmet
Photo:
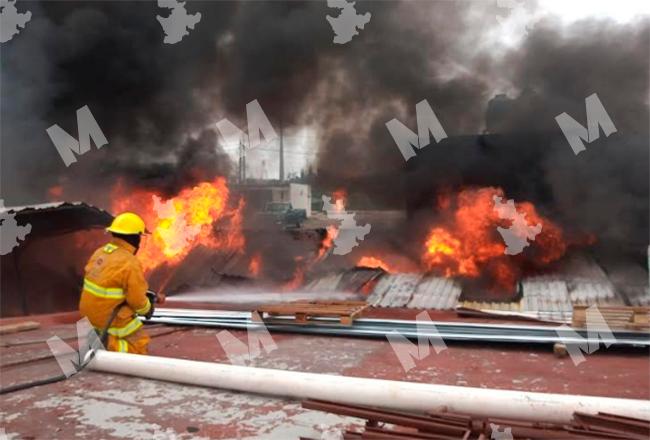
(127, 223)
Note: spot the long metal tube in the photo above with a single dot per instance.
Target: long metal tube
(209, 314)
(361, 331)
(408, 396)
(410, 325)
(410, 329)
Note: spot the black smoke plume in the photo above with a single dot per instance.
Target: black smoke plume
(157, 103)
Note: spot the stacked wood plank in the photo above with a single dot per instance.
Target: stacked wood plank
(304, 311)
(616, 317)
(440, 425)
(19, 327)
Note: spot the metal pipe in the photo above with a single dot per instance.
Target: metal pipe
(361, 328)
(407, 396)
(393, 323)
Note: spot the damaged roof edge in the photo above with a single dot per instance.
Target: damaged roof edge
(50, 205)
(59, 217)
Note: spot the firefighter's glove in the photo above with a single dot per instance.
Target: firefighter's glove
(152, 300)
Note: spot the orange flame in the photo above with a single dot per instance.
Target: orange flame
(298, 277)
(328, 241)
(469, 244)
(332, 231)
(254, 265)
(373, 262)
(340, 196)
(55, 192)
(183, 222)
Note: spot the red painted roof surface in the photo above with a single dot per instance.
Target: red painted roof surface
(97, 405)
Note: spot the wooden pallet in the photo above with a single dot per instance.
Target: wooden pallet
(304, 311)
(616, 317)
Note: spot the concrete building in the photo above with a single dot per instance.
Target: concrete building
(258, 194)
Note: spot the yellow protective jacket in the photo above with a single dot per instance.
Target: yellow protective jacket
(114, 276)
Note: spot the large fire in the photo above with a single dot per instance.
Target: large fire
(374, 263)
(180, 223)
(468, 243)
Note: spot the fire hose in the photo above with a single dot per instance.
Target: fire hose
(389, 394)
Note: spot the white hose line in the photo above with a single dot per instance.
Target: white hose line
(406, 396)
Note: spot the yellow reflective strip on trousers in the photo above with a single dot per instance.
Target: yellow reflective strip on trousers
(145, 309)
(121, 332)
(103, 292)
(122, 346)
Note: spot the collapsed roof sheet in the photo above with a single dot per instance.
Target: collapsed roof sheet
(354, 280)
(59, 217)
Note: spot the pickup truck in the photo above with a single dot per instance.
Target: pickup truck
(285, 215)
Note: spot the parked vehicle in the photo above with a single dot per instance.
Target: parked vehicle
(285, 215)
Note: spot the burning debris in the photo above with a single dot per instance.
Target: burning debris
(465, 241)
(373, 263)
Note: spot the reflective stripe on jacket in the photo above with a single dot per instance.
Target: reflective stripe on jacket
(114, 276)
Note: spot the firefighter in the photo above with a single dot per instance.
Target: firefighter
(115, 291)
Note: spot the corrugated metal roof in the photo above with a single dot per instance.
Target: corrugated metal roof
(506, 306)
(579, 280)
(327, 283)
(415, 292)
(50, 205)
(352, 280)
(55, 218)
(638, 296)
(548, 297)
(394, 290)
(631, 282)
(435, 293)
(589, 292)
(542, 293)
(356, 279)
(581, 266)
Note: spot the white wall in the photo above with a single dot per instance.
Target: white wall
(300, 197)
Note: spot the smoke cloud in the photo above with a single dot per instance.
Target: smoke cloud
(157, 103)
